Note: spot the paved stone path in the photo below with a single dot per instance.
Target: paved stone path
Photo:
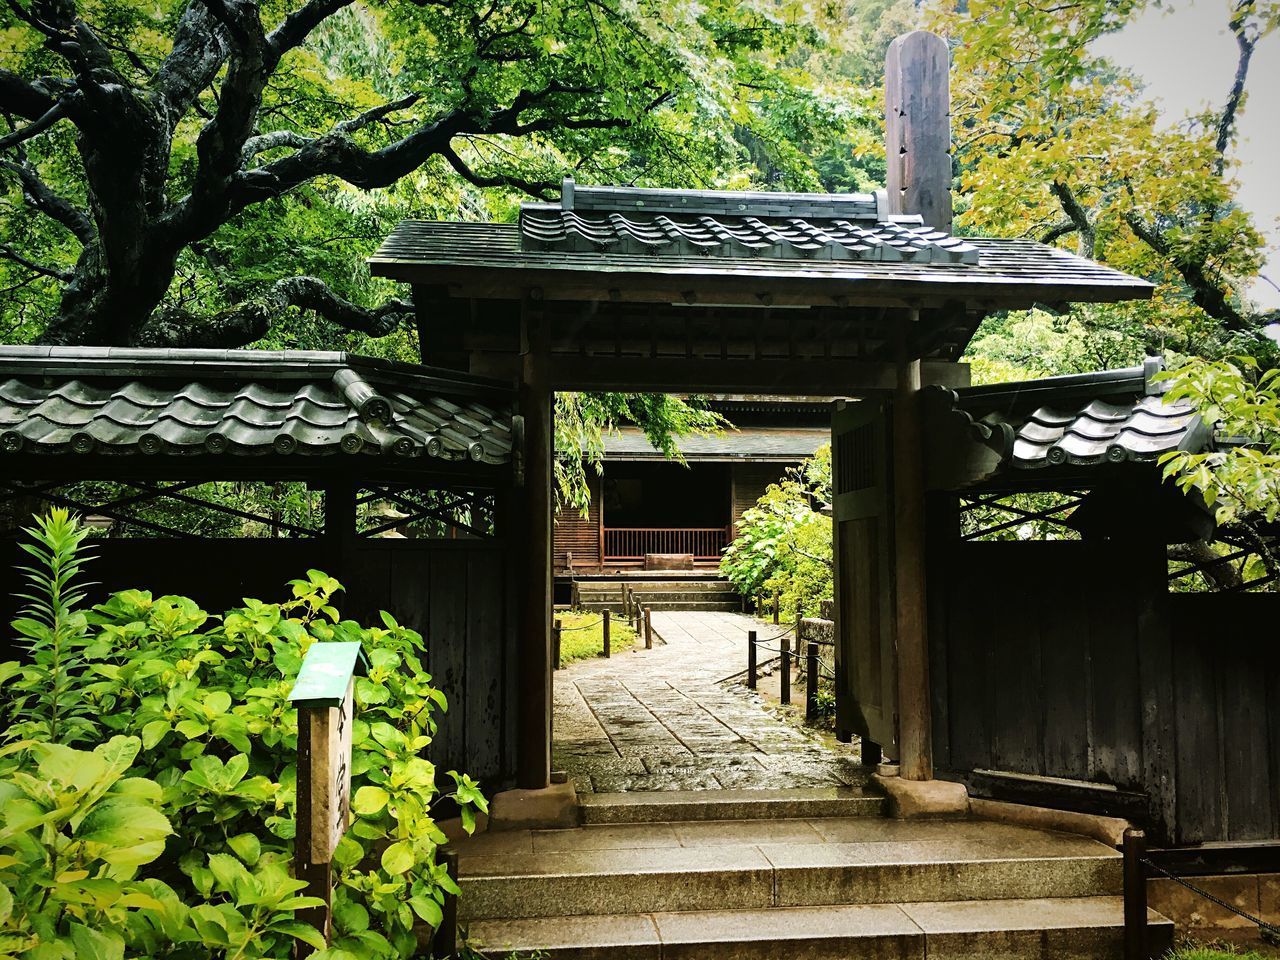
(662, 719)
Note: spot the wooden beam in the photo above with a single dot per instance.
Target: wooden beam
(915, 737)
(814, 377)
(918, 127)
(535, 564)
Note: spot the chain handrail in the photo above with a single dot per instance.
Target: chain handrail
(1270, 933)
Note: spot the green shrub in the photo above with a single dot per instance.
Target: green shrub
(784, 544)
(195, 745)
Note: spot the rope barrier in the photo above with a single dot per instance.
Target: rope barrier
(595, 623)
(1270, 934)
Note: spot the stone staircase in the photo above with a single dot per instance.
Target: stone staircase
(815, 874)
(696, 592)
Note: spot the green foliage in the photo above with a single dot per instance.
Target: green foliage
(195, 713)
(582, 420)
(1240, 479)
(784, 544)
(1055, 142)
(645, 92)
(1215, 951)
(582, 635)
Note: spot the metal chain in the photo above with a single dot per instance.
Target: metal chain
(1270, 934)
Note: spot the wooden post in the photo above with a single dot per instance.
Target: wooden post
(786, 670)
(324, 697)
(534, 573)
(605, 626)
(444, 943)
(915, 743)
(648, 628)
(751, 659)
(811, 684)
(556, 629)
(918, 128)
(1135, 895)
(777, 609)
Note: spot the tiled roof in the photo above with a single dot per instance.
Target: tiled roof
(181, 402)
(1138, 429)
(781, 444)
(1008, 274)
(1116, 416)
(544, 227)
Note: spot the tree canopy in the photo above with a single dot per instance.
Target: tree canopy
(185, 172)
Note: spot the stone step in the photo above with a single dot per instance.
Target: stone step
(696, 805)
(1084, 928)
(751, 865)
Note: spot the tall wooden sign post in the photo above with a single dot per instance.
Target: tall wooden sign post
(323, 695)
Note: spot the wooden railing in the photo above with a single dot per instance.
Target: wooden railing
(626, 544)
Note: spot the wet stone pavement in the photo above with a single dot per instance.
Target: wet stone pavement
(665, 719)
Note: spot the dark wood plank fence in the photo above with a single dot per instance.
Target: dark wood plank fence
(454, 592)
(1072, 660)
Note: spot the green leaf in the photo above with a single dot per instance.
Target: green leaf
(398, 858)
(6, 904)
(427, 909)
(229, 872)
(299, 931)
(369, 800)
(154, 732)
(96, 944)
(192, 728)
(246, 847)
(123, 823)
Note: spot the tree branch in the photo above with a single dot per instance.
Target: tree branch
(1245, 44)
(38, 194)
(1078, 215)
(37, 126)
(1208, 295)
(1058, 230)
(251, 320)
(543, 189)
(9, 253)
(298, 25)
(199, 50)
(29, 100)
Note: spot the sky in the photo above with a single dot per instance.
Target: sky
(1187, 57)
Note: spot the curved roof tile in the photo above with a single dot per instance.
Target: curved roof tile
(188, 402)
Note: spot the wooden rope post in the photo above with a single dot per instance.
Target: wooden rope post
(324, 697)
(648, 628)
(604, 627)
(1135, 895)
(444, 942)
(777, 609)
(751, 659)
(811, 684)
(556, 627)
(786, 670)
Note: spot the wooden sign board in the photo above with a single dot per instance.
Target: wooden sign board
(330, 780)
(324, 696)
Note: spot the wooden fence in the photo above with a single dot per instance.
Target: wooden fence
(1072, 660)
(632, 544)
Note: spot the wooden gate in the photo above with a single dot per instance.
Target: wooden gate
(866, 663)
